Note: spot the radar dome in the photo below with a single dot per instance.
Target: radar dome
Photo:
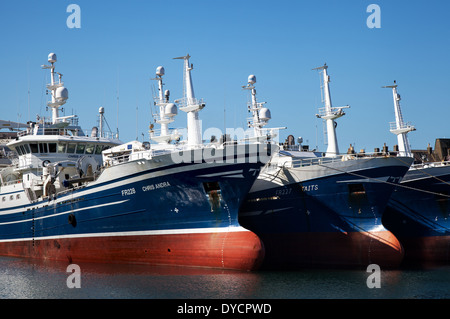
(252, 79)
(264, 114)
(62, 94)
(160, 71)
(171, 110)
(52, 57)
(101, 110)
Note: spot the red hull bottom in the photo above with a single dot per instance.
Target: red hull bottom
(240, 250)
(432, 249)
(358, 249)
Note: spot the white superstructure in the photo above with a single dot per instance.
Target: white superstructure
(53, 155)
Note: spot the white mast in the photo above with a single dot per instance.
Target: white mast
(167, 111)
(191, 105)
(329, 114)
(260, 115)
(58, 91)
(399, 127)
(163, 121)
(101, 111)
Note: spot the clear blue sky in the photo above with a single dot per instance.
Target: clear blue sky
(120, 44)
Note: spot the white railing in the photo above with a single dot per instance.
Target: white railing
(336, 110)
(170, 131)
(64, 132)
(403, 126)
(432, 164)
(302, 162)
(185, 102)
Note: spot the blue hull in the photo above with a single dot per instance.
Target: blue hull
(334, 220)
(180, 201)
(420, 217)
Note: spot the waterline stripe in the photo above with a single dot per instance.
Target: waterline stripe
(140, 233)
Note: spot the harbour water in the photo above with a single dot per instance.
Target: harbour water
(32, 279)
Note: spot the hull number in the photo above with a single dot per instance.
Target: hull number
(128, 191)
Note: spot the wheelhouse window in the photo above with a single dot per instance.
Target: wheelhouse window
(80, 148)
(98, 149)
(52, 147)
(71, 148)
(61, 148)
(22, 149)
(43, 148)
(34, 148)
(27, 148)
(90, 149)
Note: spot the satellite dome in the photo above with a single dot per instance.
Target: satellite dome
(62, 94)
(160, 71)
(171, 110)
(252, 79)
(52, 57)
(264, 114)
(101, 110)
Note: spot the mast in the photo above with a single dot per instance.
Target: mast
(162, 115)
(101, 111)
(167, 111)
(329, 113)
(191, 105)
(260, 115)
(399, 127)
(58, 92)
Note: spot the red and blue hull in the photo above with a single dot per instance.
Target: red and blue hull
(418, 214)
(151, 212)
(332, 218)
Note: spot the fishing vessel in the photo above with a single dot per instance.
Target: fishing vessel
(418, 212)
(89, 197)
(324, 209)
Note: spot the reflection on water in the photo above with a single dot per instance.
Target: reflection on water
(24, 278)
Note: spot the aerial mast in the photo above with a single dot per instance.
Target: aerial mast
(167, 110)
(191, 105)
(260, 115)
(329, 113)
(58, 92)
(399, 127)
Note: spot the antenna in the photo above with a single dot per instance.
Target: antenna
(117, 95)
(28, 91)
(101, 111)
(324, 67)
